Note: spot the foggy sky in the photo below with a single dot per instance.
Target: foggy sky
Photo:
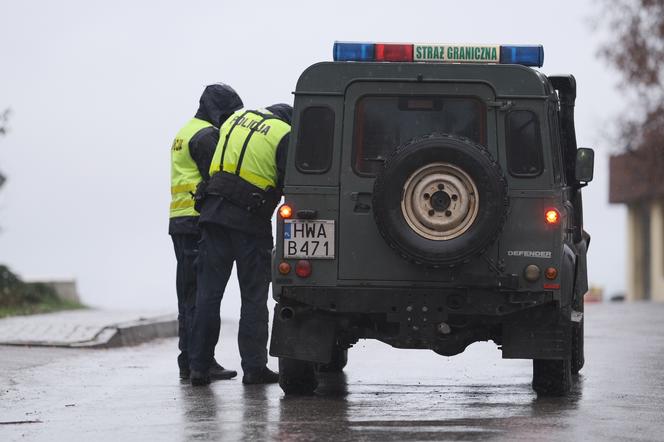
(99, 89)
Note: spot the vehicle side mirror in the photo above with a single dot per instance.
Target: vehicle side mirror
(585, 164)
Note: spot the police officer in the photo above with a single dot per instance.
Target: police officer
(246, 180)
(191, 155)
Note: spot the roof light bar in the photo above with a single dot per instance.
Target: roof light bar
(393, 52)
(526, 55)
(353, 51)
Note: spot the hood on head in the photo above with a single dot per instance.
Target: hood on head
(282, 111)
(217, 103)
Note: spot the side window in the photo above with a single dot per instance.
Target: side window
(524, 144)
(313, 153)
(555, 145)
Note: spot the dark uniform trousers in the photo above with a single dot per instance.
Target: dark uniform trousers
(186, 252)
(219, 247)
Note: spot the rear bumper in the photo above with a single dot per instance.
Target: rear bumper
(431, 303)
(310, 321)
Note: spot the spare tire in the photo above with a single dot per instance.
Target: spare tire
(440, 200)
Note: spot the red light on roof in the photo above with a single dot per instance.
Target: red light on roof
(393, 52)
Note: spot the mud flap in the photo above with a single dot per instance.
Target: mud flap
(543, 343)
(538, 334)
(307, 336)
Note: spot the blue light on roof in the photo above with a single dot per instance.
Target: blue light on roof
(524, 55)
(353, 51)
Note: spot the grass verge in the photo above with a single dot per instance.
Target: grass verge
(22, 298)
(44, 307)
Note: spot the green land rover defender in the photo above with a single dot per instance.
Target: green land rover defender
(432, 200)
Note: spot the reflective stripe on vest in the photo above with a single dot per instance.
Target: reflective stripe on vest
(261, 132)
(184, 172)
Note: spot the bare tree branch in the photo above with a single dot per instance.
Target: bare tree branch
(4, 118)
(636, 50)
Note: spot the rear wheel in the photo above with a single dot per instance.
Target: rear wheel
(338, 362)
(297, 377)
(552, 377)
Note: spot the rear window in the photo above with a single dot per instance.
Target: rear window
(524, 144)
(383, 123)
(314, 142)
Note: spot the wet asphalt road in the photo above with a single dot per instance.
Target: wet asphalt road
(385, 394)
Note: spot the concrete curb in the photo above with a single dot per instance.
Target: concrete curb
(118, 335)
(133, 333)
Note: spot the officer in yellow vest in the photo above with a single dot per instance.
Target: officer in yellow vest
(246, 180)
(191, 155)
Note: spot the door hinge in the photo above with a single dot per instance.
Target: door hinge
(500, 105)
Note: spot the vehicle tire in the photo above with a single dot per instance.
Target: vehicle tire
(578, 357)
(297, 377)
(338, 362)
(552, 377)
(440, 200)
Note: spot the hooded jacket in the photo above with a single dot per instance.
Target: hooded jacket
(218, 101)
(216, 210)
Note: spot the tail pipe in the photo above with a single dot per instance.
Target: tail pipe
(286, 314)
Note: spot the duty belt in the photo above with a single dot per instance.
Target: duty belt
(244, 194)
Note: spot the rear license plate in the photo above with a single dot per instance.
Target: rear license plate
(309, 239)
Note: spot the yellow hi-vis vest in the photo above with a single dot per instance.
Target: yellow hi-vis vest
(184, 172)
(247, 147)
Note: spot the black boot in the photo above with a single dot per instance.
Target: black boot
(217, 372)
(261, 376)
(199, 378)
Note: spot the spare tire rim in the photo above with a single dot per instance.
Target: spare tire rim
(439, 201)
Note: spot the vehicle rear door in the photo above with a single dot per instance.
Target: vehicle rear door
(379, 116)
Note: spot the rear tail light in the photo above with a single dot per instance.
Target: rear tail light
(285, 211)
(303, 268)
(552, 216)
(551, 273)
(284, 268)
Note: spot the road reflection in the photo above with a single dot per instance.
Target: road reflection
(376, 411)
(385, 395)
(255, 416)
(323, 416)
(200, 412)
(422, 412)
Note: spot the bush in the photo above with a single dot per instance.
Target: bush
(18, 297)
(10, 288)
